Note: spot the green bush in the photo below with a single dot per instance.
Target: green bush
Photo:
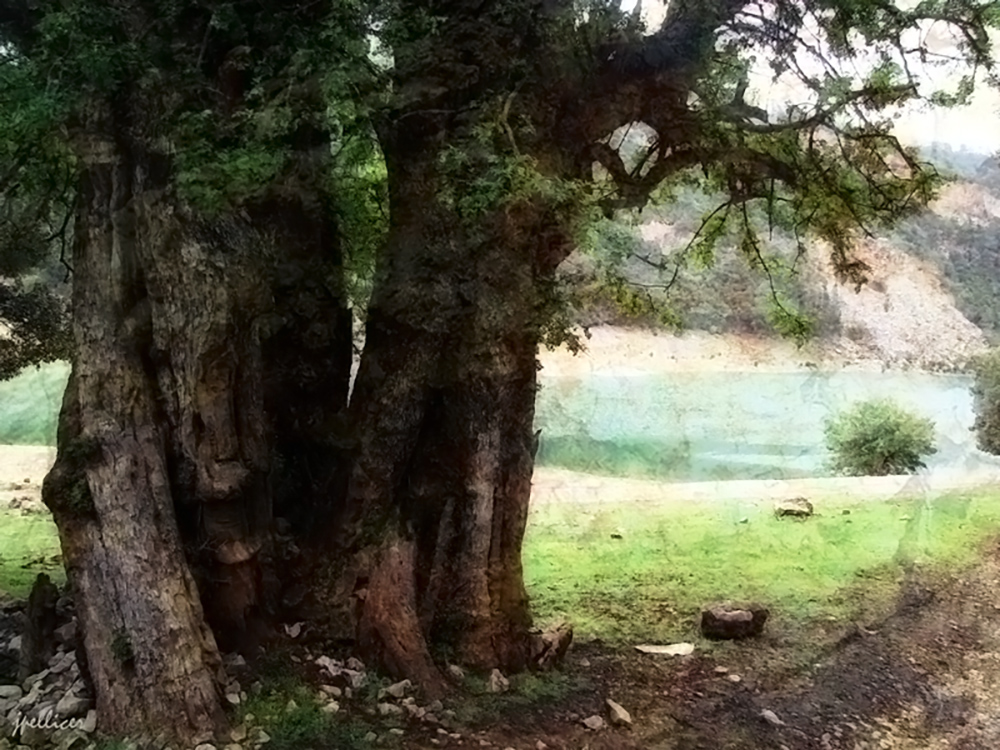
(878, 437)
(986, 401)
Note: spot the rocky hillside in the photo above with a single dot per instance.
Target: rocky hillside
(931, 301)
(905, 316)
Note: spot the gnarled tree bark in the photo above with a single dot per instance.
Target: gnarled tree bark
(443, 413)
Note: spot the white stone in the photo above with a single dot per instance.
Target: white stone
(674, 649)
(497, 683)
(595, 723)
(771, 718)
(331, 708)
(11, 691)
(71, 705)
(399, 689)
(90, 722)
(618, 715)
(387, 709)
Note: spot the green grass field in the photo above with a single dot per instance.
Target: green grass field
(29, 405)
(29, 545)
(650, 584)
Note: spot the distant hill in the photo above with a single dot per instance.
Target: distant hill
(932, 301)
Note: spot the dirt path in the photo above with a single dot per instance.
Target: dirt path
(925, 678)
(562, 486)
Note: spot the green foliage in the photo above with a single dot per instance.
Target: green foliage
(304, 726)
(986, 400)
(878, 437)
(528, 692)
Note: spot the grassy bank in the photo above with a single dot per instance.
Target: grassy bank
(29, 545)
(632, 574)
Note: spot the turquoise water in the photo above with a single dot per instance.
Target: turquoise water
(706, 426)
(681, 426)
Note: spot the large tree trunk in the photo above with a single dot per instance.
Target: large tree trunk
(164, 478)
(443, 413)
(152, 658)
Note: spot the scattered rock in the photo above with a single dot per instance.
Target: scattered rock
(90, 722)
(11, 692)
(239, 733)
(31, 680)
(594, 723)
(371, 737)
(771, 718)
(339, 675)
(295, 630)
(398, 690)
(734, 678)
(291, 705)
(721, 670)
(726, 622)
(356, 664)
(396, 731)
(456, 672)
(331, 708)
(435, 705)
(389, 709)
(497, 683)
(205, 746)
(617, 715)
(796, 507)
(70, 705)
(674, 649)
(549, 648)
(233, 698)
(66, 634)
(332, 690)
(541, 745)
(263, 737)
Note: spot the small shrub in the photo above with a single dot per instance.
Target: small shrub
(875, 438)
(986, 401)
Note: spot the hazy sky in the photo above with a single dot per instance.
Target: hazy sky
(976, 127)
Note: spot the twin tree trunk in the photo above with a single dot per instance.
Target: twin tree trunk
(209, 362)
(163, 487)
(443, 413)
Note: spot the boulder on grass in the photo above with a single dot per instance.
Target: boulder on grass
(796, 507)
(726, 622)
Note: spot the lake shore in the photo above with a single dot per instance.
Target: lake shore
(618, 350)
